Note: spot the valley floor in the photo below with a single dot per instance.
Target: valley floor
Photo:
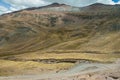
(83, 71)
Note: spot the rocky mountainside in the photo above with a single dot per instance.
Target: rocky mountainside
(94, 28)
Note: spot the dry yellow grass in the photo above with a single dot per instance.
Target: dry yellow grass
(28, 31)
(88, 56)
(29, 67)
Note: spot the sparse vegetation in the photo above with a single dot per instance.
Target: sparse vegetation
(27, 36)
(53, 21)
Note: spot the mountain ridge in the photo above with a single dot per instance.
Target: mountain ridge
(59, 5)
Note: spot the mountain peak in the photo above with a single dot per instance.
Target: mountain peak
(56, 5)
(97, 4)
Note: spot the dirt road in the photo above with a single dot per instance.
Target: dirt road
(76, 73)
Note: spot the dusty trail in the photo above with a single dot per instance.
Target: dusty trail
(80, 69)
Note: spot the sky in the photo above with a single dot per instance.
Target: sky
(7, 6)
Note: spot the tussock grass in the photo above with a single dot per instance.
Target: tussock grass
(109, 57)
(29, 67)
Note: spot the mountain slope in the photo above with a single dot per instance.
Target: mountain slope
(61, 27)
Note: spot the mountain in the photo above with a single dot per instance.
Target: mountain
(61, 27)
